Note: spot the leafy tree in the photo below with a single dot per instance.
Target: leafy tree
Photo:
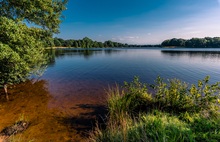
(89, 43)
(68, 43)
(100, 44)
(45, 13)
(206, 42)
(57, 42)
(166, 42)
(61, 41)
(95, 44)
(108, 43)
(75, 44)
(22, 47)
(13, 69)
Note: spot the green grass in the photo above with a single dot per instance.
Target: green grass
(173, 111)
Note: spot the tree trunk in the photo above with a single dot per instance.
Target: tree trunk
(6, 92)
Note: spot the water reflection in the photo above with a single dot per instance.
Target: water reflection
(202, 54)
(72, 52)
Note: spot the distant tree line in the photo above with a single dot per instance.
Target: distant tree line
(85, 43)
(89, 43)
(206, 42)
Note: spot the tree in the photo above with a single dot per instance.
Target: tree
(22, 47)
(108, 43)
(68, 43)
(12, 69)
(61, 41)
(75, 44)
(57, 43)
(100, 44)
(206, 42)
(87, 42)
(95, 44)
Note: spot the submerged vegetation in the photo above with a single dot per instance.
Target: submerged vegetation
(172, 111)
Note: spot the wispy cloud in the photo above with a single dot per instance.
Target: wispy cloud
(127, 39)
(200, 25)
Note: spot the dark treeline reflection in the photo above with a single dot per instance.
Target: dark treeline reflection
(86, 53)
(203, 54)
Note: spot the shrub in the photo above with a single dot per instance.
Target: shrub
(177, 97)
(173, 111)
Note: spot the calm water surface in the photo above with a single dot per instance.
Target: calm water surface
(68, 99)
(80, 75)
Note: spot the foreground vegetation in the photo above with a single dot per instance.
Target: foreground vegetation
(21, 45)
(172, 111)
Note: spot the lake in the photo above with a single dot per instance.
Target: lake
(76, 70)
(64, 104)
(81, 76)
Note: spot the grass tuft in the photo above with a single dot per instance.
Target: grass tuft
(174, 112)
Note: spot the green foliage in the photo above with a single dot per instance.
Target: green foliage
(132, 99)
(158, 127)
(13, 69)
(89, 43)
(44, 13)
(206, 42)
(206, 130)
(176, 96)
(173, 96)
(174, 111)
(136, 96)
(85, 43)
(22, 47)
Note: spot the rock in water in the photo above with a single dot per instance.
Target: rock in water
(14, 129)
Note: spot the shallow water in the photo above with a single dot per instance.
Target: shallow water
(68, 121)
(67, 100)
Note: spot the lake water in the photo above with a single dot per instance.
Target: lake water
(82, 75)
(64, 104)
(107, 66)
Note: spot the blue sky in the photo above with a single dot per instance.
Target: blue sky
(140, 21)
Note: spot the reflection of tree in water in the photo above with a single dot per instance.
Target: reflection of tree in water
(86, 53)
(203, 54)
(112, 51)
(51, 56)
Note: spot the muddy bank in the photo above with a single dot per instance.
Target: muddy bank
(31, 101)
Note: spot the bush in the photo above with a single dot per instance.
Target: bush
(173, 111)
(173, 96)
